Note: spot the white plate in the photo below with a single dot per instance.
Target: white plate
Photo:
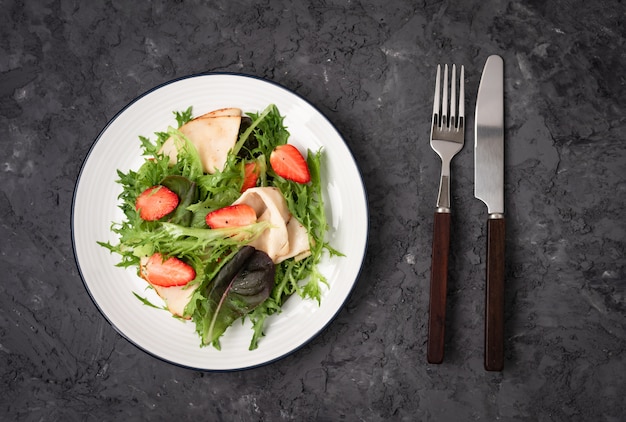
(96, 206)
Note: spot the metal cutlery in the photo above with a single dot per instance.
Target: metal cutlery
(489, 188)
(446, 139)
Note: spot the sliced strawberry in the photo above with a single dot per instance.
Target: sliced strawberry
(166, 273)
(231, 216)
(251, 174)
(156, 202)
(288, 163)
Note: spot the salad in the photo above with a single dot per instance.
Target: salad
(224, 220)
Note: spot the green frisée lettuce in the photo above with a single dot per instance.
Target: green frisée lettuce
(229, 284)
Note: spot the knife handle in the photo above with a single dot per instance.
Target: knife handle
(438, 287)
(494, 303)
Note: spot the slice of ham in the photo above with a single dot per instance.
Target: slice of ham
(229, 111)
(298, 240)
(175, 297)
(287, 237)
(213, 134)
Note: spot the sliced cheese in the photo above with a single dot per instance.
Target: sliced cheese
(213, 135)
(287, 237)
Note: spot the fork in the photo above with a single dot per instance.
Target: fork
(446, 139)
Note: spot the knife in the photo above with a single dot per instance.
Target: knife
(489, 188)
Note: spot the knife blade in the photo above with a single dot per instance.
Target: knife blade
(489, 188)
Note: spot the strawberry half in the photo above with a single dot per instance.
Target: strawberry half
(251, 174)
(156, 202)
(166, 273)
(232, 216)
(288, 163)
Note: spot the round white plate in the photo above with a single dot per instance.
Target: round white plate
(96, 206)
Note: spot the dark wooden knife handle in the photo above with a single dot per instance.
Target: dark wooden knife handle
(438, 287)
(494, 303)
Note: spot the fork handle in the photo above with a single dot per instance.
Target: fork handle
(438, 287)
(494, 303)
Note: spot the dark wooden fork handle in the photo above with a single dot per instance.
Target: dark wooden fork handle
(438, 287)
(494, 301)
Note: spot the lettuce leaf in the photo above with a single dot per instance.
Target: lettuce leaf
(241, 285)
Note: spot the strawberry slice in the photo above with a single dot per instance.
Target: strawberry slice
(156, 202)
(251, 174)
(288, 163)
(232, 216)
(166, 272)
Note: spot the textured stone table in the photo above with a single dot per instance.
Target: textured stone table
(67, 67)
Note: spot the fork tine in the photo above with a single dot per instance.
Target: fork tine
(452, 122)
(445, 103)
(462, 98)
(436, 102)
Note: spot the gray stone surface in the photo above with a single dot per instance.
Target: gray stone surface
(67, 67)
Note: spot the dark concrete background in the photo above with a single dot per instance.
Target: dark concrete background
(67, 67)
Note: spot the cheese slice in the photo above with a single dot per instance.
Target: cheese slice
(213, 135)
(287, 237)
